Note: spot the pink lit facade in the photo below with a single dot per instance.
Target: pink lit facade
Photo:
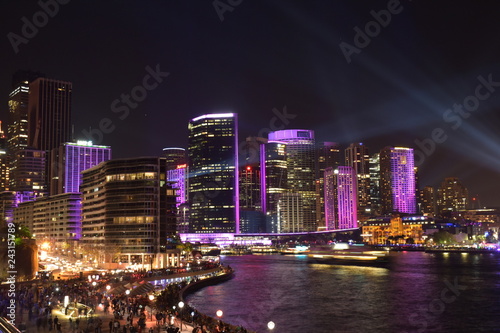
(340, 191)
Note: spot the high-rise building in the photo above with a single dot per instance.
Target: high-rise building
(179, 180)
(301, 170)
(252, 185)
(290, 213)
(275, 181)
(428, 201)
(374, 166)
(357, 157)
(69, 160)
(397, 180)
(175, 156)
(29, 173)
(452, 196)
(4, 162)
(128, 210)
(346, 198)
(213, 168)
(49, 115)
(340, 198)
(18, 121)
(328, 155)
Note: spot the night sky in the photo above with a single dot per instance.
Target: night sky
(398, 87)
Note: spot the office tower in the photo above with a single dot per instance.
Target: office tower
(252, 185)
(452, 196)
(49, 115)
(18, 120)
(175, 156)
(290, 213)
(128, 210)
(213, 168)
(55, 219)
(340, 198)
(427, 202)
(29, 173)
(374, 166)
(275, 181)
(347, 197)
(357, 157)
(69, 160)
(301, 170)
(4, 162)
(328, 155)
(397, 180)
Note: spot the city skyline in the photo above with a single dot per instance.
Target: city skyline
(286, 69)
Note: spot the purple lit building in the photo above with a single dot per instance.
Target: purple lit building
(397, 180)
(69, 160)
(179, 180)
(340, 190)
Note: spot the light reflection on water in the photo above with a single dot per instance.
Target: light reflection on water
(303, 297)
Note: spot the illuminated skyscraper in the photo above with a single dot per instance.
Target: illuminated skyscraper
(328, 155)
(428, 201)
(375, 184)
(213, 169)
(356, 156)
(275, 181)
(49, 116)
(18, 122)
(397, 180)
(69, 160)
(340, 198)
(452, 196)
(4, 162)
(252, 185)
(175, 156)
(301, 170)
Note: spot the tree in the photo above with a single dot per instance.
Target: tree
(443, 237)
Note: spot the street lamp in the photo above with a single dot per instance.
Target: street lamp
(271, 325)
(181, 305)
(151, 298)
(219, 313)
(127, 292)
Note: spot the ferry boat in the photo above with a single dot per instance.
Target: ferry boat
(299, 249)
(348, 254)
(263, 249)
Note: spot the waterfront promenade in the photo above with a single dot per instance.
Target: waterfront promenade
(101, 303)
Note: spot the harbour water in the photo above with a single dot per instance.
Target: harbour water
(420, 292)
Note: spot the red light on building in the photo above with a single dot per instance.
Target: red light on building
(249, 168)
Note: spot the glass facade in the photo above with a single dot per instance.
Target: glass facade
(213, 174)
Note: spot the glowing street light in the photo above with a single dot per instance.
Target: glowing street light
(219, 313)
(127, 292)
(108, 287)
(271, 325)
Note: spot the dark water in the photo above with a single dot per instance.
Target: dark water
(421, 292)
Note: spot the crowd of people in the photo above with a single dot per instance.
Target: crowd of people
(87, 305)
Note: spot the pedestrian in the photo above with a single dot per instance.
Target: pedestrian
(77, 322)
(110, 326)
(51, 323)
